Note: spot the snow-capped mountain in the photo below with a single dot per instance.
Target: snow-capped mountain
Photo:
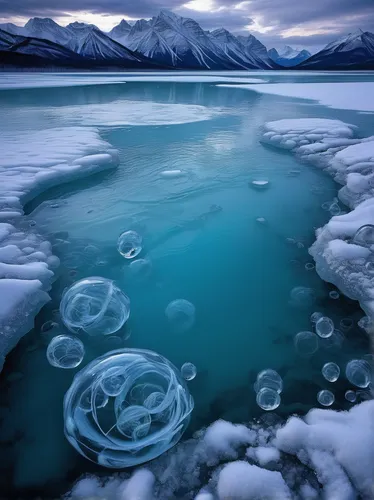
(181, 42)
(288, 56)
(11, 28)
(120, 32)
(255, 49)
(355, 51)
(46, 29)
(238, 51)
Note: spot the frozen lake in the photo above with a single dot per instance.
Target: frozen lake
(189, 151)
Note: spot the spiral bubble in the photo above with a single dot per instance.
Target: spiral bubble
(364, 236)
(358, 372)
(331, 372)
(350, 396)
(65, 352)
(126, 408)
(129, 244)
(94, 305)
(268, 399)
(302, 297)
(181, 314)
(306, 343)
(325, 398)
(324, 327)
(188, 371)
(270, 379)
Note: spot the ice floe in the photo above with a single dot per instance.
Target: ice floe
(31, 163)
(332, 146)
(340, 95)
(134, 113)
(323, 455)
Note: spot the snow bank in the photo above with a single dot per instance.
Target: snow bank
(134, 113)
(327, 454)
(331, 145)
(31, 163)
(340, 95)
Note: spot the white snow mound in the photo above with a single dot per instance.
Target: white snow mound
(31, 163)
(332, 146)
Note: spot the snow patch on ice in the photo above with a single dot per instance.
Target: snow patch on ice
(332, 146)
(31, 163)
(134, 113)
(326, 454)
(340, 95)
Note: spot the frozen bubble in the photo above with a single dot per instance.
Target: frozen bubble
(365, 323)
(48, 326)
(260, 183)
(302, 297)
(334, 295)
(141, 268)
(364, 236)
(181, 314)
(130, 405)
(91, 251)
(326, 205)
(188, 371)
(334, 209)
(315, 317)
(291, 241)
(324, 327)
(350, 396)
(346, 324)
(331, 372)
(94, 305)
(268, 399)
(358, 372)
(309, 266)
(300, 245)
(306, 343)
(65, 352)
(130, 244)
(325, 398)
(270, 379)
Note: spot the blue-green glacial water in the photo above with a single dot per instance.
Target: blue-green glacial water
(203, 243)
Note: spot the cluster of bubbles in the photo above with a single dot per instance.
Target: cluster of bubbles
(364, 237)
(126, 407)
(130, 405)
(268, 387)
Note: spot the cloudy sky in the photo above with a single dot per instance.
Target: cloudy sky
(300, 23)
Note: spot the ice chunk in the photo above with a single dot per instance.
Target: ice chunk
(242, 481)
(265, 454)
(223, 438)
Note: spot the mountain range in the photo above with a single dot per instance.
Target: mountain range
(167, 41)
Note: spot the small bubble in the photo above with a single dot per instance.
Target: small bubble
(324, 327)
(188, 371)
(346, 324)
(268, 399)
(325, 398)
(306, 343)
(309, 266)
(334, 295)
(65, 352)
(358, 372)
(331, 372)
(129, 244)
(350, 396)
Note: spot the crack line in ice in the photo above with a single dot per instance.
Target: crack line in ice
(30, 164)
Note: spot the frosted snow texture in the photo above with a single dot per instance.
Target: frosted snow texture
(30, 163)
(126, 408)
(94, 305)
(323, 455)
(330, 145)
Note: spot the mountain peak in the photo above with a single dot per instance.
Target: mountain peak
(35, 22)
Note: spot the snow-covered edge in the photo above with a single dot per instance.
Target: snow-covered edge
(31, 163)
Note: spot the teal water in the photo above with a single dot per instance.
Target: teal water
(237, 271)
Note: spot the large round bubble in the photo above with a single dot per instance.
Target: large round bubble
(364, 236)
(129, 244)
(126, 408)
(95, 306)
(331, 371)
(325, 398)
(358, 372)
(188, 371)
(181, 314)
(324, 327)
(302, 297)
(65, 352)
(269, 378)
(306, 343)
(268, 399)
